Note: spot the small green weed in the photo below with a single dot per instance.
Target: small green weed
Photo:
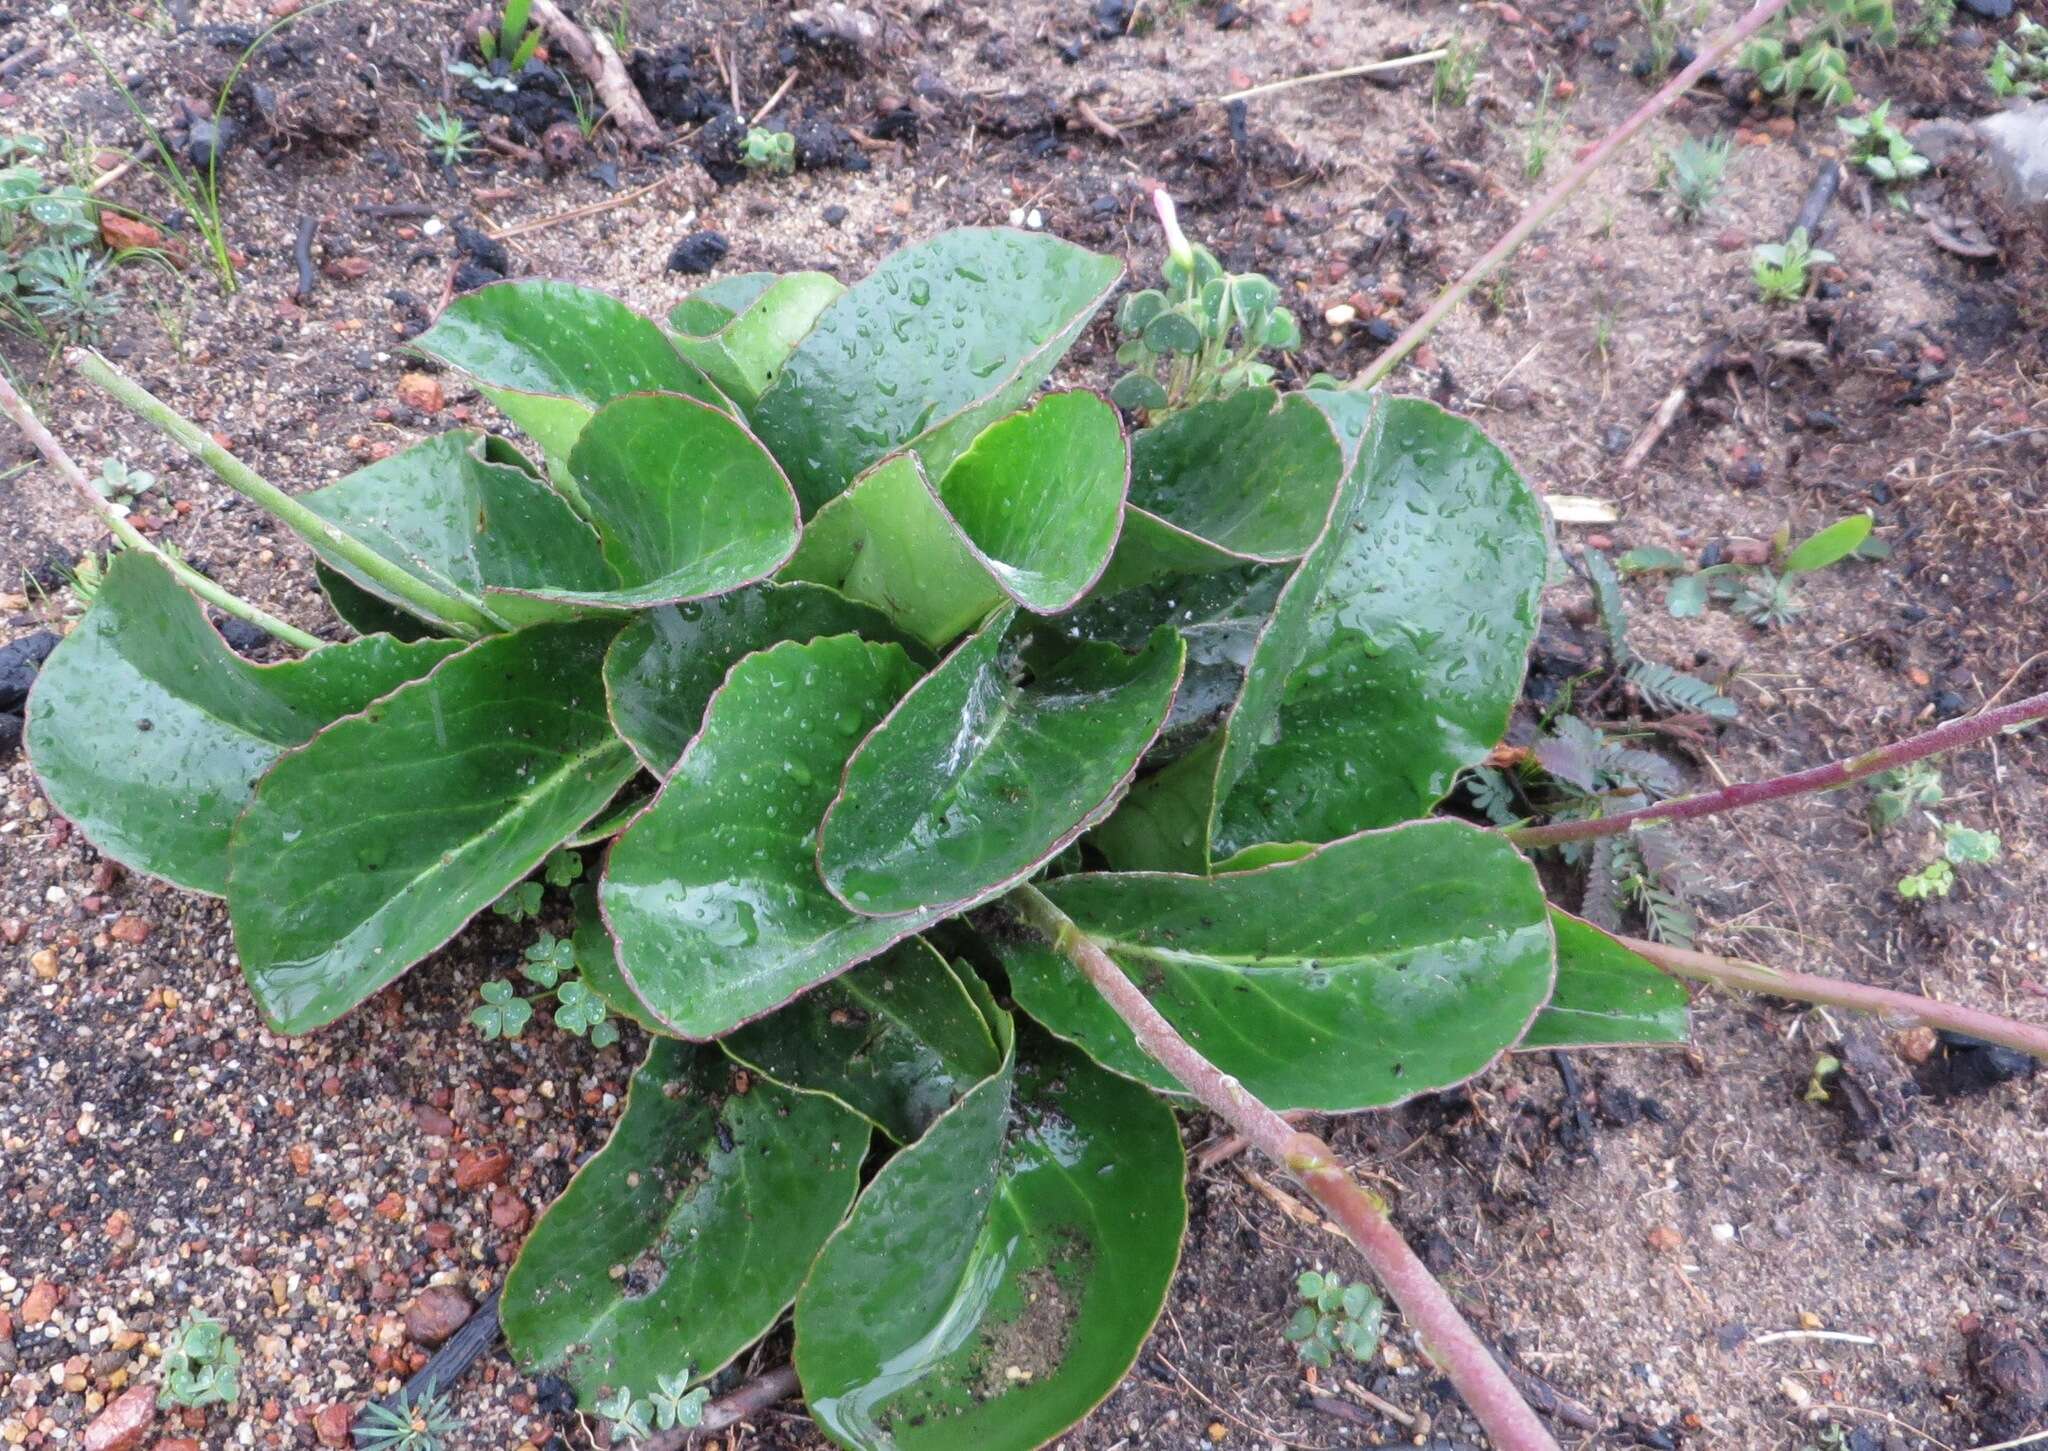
(1660, 34)
(479, 78)
(421, 1424)
(121, 485)
(671, 1406)
(202, 1366)
(1933, 22)
(1896, 794)
(1335, 1316)
(52, 276)
(513, 41)
(1198, 338)
(1767, 595)
(2020, 68)
(1540, 134)
(448, 135)
(1819, 68)
(195, 186)
(1880, 148)
(1692, 174)
(771, 151)
(1814, 62)
(1960, 846)
(550, 964)
(1780, 268)
(1456, 69)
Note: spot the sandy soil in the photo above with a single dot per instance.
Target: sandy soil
(1637, 1242)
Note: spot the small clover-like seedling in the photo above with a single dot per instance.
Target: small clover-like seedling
(676, 1405)
(1198, 338)
(1780, 268)
(771, 151)
(521, 903)
(548, 960)
(631, 1419)
(578, 1010)
(563, 868)
(1334, 1317)
(1880, 148)
(503, 1013)
(202, 1366)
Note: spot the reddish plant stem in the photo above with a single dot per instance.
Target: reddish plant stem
(1948, 736)
(1464, 1357)
(1547, 205)
(1754, 977)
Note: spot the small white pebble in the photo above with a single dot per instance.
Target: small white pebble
(1724, 1233)
(1341, 314)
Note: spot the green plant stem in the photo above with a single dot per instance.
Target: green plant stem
(1464, 1357)
(1754, 977)
(245, 481)
(1548, 204)
(16, 408)
(1948, 736)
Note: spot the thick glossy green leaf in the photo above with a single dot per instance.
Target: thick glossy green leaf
(597, 960)
(888, 542)
(466, 516)
(149, 732)
(998, 1277)
(744, 349)
(718, 302)
(665, 665)
(1381, 966)
(1040, 496)
(1607, 996)
(685, 1237)
(632, 799)
(916, 354)
(713, 894)
(1030, 512)
(368, 848)
(1221, 616)
(898, 1040)
(1169, 820)
(687, 502)
(975, 781)
(550, 354)
(1415, 643)
(364, 612)
(1247, 478)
